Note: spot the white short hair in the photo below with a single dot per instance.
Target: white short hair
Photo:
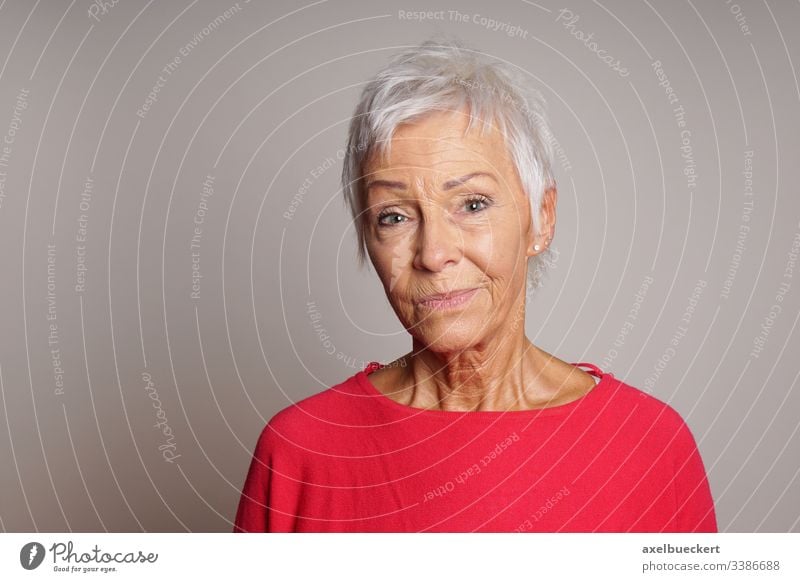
(444, 75)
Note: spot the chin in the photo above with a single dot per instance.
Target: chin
(449, 335)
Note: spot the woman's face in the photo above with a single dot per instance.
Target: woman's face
(447, 212)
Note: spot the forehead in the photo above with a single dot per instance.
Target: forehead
(440, 143)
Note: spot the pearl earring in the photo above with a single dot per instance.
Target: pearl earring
(536, 247)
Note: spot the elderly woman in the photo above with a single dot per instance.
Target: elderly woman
(448, 176)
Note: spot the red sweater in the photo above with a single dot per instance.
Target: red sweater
(350, 459)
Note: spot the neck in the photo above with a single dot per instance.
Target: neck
(497, 374)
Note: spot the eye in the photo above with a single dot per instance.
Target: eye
(476, 203)
(393, 218)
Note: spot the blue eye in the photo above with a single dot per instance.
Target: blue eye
(392, 215)
(476, 200)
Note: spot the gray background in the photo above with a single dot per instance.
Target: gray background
(260, 101)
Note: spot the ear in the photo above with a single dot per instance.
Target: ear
(547, 224)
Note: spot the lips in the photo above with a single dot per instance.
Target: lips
(448, 299)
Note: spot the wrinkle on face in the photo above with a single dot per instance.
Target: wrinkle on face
(437, 246)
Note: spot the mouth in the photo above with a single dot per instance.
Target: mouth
(448, 300)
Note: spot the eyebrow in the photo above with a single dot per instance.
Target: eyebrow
(449, 185)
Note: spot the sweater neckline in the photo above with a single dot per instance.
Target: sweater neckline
(362, 378)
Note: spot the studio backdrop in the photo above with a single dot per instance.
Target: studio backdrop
(178, 263)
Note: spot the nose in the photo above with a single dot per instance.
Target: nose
(439, 243)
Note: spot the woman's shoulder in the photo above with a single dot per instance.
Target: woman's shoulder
(330, 406)
(316, 423)
(650, 412)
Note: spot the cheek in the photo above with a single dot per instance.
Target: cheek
(496, 251)
(392, 259)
